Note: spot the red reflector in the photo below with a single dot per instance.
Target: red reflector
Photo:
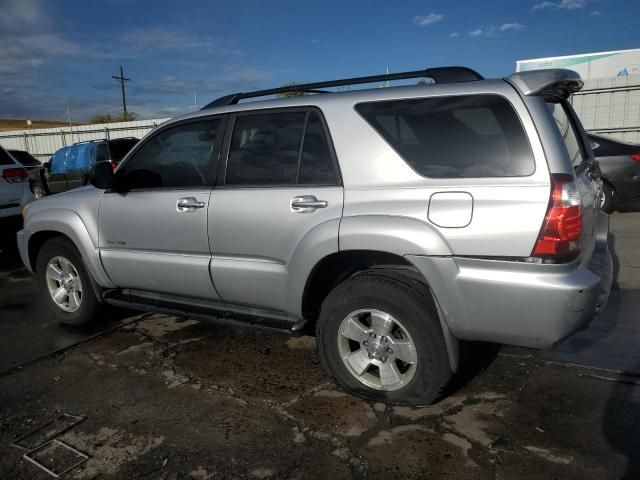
(113, 165)
(636, 156)
(562, 226)
(15, 175)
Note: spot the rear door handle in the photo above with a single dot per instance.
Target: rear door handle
(188, 204)
(306, 203)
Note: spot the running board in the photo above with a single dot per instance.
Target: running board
(215, 312)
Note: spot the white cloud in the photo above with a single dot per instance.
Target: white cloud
(423, 21)
(572, 4)
(454, 35)
(486, 31)
(540, 6)
(563, 4)
(513, 27)
(595, 12)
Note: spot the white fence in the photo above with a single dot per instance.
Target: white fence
(43, 142)
(610, 106)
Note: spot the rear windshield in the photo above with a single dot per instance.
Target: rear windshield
(568, 131)
(25, 158)
(5, 158)
(119, 148)
(466, 136)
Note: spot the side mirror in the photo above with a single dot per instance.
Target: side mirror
(101, 175)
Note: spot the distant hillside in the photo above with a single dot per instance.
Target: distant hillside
(21, 124)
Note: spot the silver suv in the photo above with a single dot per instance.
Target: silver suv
(395, 223)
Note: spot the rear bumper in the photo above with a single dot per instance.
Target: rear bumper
(516, 303)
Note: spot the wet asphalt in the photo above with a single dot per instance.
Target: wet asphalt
(167, 397)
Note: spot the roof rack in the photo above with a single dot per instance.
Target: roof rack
(439, 75)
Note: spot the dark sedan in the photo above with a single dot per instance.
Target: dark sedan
(620, 166)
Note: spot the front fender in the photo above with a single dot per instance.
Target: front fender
(393, 234)
(68, 223)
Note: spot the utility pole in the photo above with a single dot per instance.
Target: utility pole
(122, 79)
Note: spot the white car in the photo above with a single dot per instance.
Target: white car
(14, 186)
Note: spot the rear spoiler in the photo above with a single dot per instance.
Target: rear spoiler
(549, 82)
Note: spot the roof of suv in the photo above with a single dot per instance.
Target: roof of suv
(556, 81)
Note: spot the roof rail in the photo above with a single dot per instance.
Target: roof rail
(439, 75)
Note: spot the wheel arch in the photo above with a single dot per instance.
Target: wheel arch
(43, 226)
(337, 267)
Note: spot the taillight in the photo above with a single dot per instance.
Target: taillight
(636, 157)
(15, 175)
(562, 227)
(113, 165)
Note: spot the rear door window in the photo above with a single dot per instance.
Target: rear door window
(280, 148)
(265, 148)
(470, 136)
(317, 166)
(568, 132)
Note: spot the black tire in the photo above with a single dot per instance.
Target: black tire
(410, 303)
(88, 309)
(608, 198)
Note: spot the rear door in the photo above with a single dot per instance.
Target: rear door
(584, 165)
(80, 159)
(279, 183)
(56, 175)
(153, 233)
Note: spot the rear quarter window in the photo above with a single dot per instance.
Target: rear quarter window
(5, 158)
(470, 136)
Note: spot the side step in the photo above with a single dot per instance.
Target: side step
(216, 312)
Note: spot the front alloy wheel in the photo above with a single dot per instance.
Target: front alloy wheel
(64, 284)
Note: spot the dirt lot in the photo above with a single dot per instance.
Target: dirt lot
(166, 397)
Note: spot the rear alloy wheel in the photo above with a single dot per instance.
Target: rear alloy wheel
(379, 336)
(38, 190)
(377, 350)
(607, 198)
(64, 283)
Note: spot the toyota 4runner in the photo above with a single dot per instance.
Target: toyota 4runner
(395, 223)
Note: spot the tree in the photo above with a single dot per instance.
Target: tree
(108, 118)
(290, 94)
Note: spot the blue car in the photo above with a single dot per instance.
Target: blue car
(69, 167)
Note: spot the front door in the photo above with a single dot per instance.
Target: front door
(153, 229)
(279, 188)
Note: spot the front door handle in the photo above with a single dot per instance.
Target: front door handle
(306, 203)
(188, 204)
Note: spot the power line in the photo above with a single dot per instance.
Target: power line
(122, 79)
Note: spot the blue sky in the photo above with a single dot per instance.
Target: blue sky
(59, 52)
